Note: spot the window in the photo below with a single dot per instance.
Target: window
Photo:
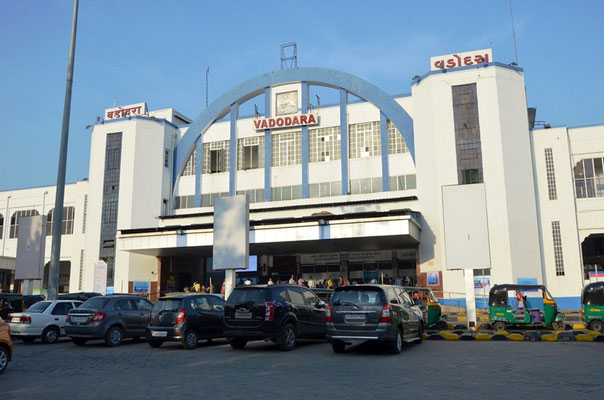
(166, 158)
(296, 297)
(287, 149)
(364, 139)
(467, 134)
(551, 177)
(85, 212)
(1, 225)
(250, 152)
(558, 256)
(216, 157)
(68, 219)
(143, 305)
(62, 308)
(325, 144)
(190, 166)
(81, 269)
(216, 302)
(14, 221)
(396, 144)
(589, 178)
(471, 176)
(310, 297)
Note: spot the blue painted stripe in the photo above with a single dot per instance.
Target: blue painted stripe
(344, 139)
(305, 143)
(198, 174)
(268, 143)
(384, 142)
(233, 149)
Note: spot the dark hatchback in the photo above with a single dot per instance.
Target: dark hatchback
(381, 313)
(280, 313)
(111, 318)
(185, 318)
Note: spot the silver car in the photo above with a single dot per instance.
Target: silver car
(44, 320)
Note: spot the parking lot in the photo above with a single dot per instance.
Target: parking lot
(437, 369)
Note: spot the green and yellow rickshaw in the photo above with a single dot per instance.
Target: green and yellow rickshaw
(540, 311)
(428, 303)
(592, 300)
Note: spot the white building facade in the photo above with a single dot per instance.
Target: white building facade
(352, 189)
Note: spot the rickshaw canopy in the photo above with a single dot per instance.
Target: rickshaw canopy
(593, 294)
(498, 295)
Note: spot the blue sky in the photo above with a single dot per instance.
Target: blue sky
(157, 51)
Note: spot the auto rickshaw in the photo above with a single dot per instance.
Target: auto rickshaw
(428, 303)
(534, 311)
(11, 303)
(592, 300)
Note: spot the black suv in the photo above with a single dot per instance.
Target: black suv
(281, 313)
(109, 317)
(372, 312)
(185, 318)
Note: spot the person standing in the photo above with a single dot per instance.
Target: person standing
(300, 281)
(291, 280)
(270, 281)
(330, 283)
(311, 283)
(222, 289)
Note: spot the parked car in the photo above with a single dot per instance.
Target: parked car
(281, 313)
(382, 313)
(44, 320)
(185, 318)
(81, 296)
(6, 345)
(111, 318)
(11, 303)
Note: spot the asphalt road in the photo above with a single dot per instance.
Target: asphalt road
(433, 369)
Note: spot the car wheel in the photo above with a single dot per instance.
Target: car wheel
(155, 343)
(114, 337)
(238, 343)
(396, 346)
(558, 325)
(287, 340)
(78, 341)
(28, 339)
(338, 346)
(596, 325)
(3, 359)
(50, 335)
(189, 341)
(499, 326)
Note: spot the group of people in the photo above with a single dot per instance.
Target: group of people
(196, 287)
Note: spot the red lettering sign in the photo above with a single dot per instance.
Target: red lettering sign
(461, 60)
(285, 122)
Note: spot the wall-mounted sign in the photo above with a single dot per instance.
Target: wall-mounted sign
(126, 111)
(461, 59)
(140, 287)
(286, 122)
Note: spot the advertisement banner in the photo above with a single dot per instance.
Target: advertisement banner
(433, 279)
(482, 284)
(100, 277)
(141, 287)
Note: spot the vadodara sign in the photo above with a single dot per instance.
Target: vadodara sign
(461, 59)
(286, 122)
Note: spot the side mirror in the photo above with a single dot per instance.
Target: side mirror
(320, 304)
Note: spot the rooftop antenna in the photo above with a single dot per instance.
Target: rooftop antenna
(514, 34)
(291, 60)
(207, 74)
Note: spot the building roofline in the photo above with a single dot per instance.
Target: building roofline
(464, 68)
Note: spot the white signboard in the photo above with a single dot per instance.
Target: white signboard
(466, 228)
(461, 59)
(100, 277)
(126, 111)
(30, 247)
(231, 244)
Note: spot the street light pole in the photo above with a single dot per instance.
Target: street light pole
(55, 255)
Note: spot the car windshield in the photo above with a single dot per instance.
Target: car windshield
(240, 296)
(357, 297)
(167, 305)
(39, 307)
(95, 303)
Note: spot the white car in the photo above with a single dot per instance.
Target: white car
(44, 320)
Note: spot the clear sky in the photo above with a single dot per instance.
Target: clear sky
(157, 51)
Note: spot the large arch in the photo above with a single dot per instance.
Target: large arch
(311, 76)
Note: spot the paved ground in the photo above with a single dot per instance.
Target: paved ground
(435, 369)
